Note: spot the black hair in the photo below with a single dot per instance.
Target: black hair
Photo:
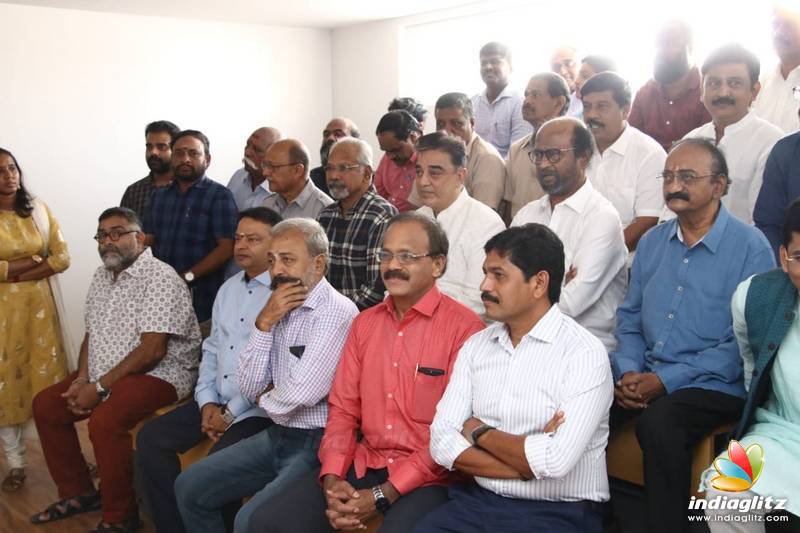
(199, 135)
(791, 222)
(400, 122)
(556, 86)
(609, 81)
(582, 140)
(497, 48)
(600, 64)
(452, 146)
(733, 53)
(458, 100)
(438, 244)
(23, 205)
(265, 215)
(128, 214)
(532, 248)
(719, 166)
(405, 103)
(163, 126)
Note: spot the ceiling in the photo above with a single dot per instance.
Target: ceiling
(305, 13)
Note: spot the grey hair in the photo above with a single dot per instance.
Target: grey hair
(364, 154)
(313, 234)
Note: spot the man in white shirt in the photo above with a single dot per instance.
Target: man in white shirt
(497, 109)
(564, 62)
(779, 99)
(441, 171)
(512, 385)
(248, 184)
(627, 161)
(730, 84)
(587, 224)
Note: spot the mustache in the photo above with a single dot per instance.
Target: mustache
(593, 122)
(281, 279)
(109, 248)
(486, 297)
(723, 100)
(679, 195)
(398, 274)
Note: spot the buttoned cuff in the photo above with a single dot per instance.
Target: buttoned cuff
(335, 463)
(238, 405)
(206, 396)
(536, 454)
(672, 376)
(620, 366)
(406, 477)
(449, 448)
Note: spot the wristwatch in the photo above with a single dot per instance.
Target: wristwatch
(382, 503)
(188, 276)
(101, 391)
(226, 415)
(478, 431)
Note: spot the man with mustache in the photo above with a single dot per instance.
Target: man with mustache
(468, 223)
(219, 410)
(585, 221)
(676, 364)
(498, 120)
(669, 105)
(779, 99)
(336, 129)
(394, 368)
(158, 156)
(730, 84)
(139, 353)
(247, 184)
(546, 97)
(293, 194)
(190, 224)
(397, 132)
(625, 165)
(355, 223)
(287, 369)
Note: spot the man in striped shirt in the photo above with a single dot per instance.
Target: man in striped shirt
(287, 369)
(512, 385)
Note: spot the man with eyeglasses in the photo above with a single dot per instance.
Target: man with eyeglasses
(394, 368)
(190, 224)
(397, 132)
(355, 223)
(247, 184)
(585, 221)
(677, 365)
(293, 194)
(219, 410)
(564, 62)
(139, 353)
(730, 84)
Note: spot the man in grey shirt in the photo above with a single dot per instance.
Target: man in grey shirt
(294, 195)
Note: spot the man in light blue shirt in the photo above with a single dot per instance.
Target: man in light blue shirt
(248, 184)
(677, 365)
(219, 410)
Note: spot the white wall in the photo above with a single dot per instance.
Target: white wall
(77, 89)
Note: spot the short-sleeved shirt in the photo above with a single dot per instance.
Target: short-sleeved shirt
(147, 297)
(308, 203)
(137, 195)
(187, 227)
(500, 122)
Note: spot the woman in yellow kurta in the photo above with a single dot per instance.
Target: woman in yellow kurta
(32, 354)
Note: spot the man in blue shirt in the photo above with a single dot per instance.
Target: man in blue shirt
(190, 224)
(219, 410)
(677, 364)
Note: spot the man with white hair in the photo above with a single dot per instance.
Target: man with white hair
(286, 369)
(355, 223)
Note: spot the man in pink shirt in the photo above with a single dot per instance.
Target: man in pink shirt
(397, 132)
(394, 368)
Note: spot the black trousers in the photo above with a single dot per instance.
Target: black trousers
(667, 431)
(302, 509)
(157, 445)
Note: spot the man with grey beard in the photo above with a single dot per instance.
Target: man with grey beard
(355, 223)
(140, 352)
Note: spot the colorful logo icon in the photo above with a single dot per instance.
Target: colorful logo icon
(741, 470)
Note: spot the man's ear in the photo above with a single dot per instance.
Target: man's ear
(539, 284)
(439, 265)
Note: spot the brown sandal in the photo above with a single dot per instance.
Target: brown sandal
(14, 480)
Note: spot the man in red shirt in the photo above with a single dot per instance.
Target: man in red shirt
(397, 132)
(394, 368)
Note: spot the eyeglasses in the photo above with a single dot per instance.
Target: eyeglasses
(115, 234)
(341, 168)
(685, 177)
(266, 165)
(404, 258)
(553, 155)
(792, 259)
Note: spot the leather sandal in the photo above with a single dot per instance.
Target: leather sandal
(66, 508)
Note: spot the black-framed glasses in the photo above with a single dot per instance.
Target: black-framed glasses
(115, 234)
(266, 165)
(404, 258)
(553, 155)
(342, 168)
(685, 177)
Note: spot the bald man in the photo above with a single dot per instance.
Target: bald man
(247, 183)
(292, 193)
(564, 62)
(336, 129)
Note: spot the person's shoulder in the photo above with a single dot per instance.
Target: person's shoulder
(339, 304)
(658, 235)
(745, 234)
(487, 150)
(767, 131)
(529, 212)
(378, 205)
(582, 344)
(646, 142)
(704, 131)
(486, 214)
(458, 312)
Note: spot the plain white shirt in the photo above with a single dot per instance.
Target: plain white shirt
(468, 224)
(746, 145)
(594, 244)
(626, 175)
(776, 102)
(556, 365)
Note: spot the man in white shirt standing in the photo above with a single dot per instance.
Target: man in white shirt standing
(587, 224)
(627, 161)
(468, 223)
(498, 117)
(730, 84)
(512, 385)
(779, 99)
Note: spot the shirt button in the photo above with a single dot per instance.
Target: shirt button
(390, 460)
(399, 333)
(670, 316)
(685, 259)
(225, 376)
(388, 426)
(668, 123)
(389, 395)
(394, 365)
(680, 289)
(249, 292)
(231, 347)
(670, 103)
(241, 320)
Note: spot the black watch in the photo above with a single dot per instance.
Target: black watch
(478, 432)
(382, 503)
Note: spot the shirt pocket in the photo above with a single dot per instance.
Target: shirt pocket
(429, 385)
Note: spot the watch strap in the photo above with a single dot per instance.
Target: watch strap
(478, 431)
(382, 503)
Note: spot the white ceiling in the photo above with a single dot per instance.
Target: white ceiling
(305, 13)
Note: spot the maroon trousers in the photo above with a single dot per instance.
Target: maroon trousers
(133, 399)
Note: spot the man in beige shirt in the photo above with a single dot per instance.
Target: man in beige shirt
(546, 97)
(486, 171)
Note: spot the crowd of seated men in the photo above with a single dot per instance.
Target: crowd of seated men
(446, 339)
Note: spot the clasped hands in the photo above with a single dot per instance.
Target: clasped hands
(212, 423)
(81, 397)
(635, 390)
(349, 508)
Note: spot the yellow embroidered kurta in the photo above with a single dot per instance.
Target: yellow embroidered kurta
(31, 353)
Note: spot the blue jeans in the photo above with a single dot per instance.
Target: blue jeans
(263, 466)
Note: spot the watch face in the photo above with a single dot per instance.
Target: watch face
(189, 276)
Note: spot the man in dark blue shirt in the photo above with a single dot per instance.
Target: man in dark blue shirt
(191, 224)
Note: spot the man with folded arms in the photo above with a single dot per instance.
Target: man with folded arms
(394, 369)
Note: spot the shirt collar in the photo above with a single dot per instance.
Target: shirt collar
(137, 268)
(425, 306)
(203, 183)
(505, 93)
(743, 123)
(362, 202)
(455, 207)
(713, 238)
(263, 278)
(318, 295)
(302, 198)
(620, 146)
(412, 161)
(578, 201)
(545, 330)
